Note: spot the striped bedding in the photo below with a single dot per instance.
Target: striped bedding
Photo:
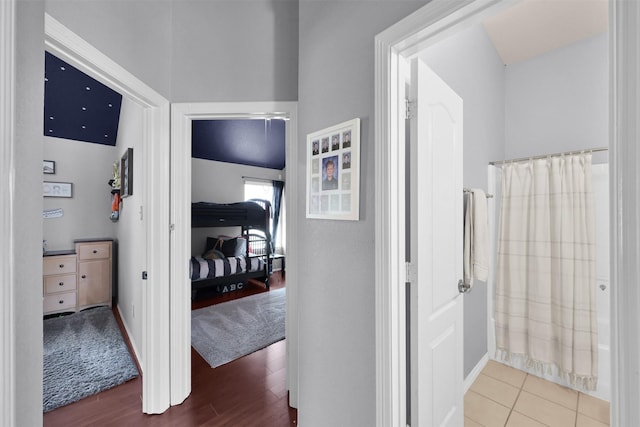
(200, 268)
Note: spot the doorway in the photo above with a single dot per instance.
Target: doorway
(154, 355)
(435, 22)
(181, 118)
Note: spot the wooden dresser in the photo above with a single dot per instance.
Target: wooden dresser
(59, 281)
(75, 280)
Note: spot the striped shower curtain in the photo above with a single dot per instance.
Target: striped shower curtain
(545, 280)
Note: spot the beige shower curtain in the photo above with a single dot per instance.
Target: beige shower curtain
(545, 280)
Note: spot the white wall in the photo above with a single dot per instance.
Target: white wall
(558, 101)
(26, 207)
(130, 230)
(483, 95)
(136, 34)
(221, 182)
(336, 258)
(88, 167)
(229, 50)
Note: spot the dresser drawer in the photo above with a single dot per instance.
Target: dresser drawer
(56, 284)
(93, 250)
(59, 265)
(59, 302)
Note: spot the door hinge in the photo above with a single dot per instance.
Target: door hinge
(409, 272)
(409, 109)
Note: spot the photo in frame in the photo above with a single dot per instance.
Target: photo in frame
(126, 173)
(333, 172)
(57, 189)
(49, 167)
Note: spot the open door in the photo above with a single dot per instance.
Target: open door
(435, 256)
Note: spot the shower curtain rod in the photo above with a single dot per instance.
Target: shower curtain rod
(544, 156)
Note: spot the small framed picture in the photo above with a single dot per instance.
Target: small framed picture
(57, 189)
(333, 190)
(126, 173)
(49, 167)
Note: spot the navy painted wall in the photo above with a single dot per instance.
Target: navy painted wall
(248, 142)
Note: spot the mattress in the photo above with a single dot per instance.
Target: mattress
(201, 269)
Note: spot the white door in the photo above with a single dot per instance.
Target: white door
(436, 197)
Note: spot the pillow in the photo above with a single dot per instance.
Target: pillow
(213, 254)
(230, 247)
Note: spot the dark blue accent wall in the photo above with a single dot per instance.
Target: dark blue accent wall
(247, 142)
(77, 106)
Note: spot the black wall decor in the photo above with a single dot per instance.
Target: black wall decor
(77, 106)
(253, 142)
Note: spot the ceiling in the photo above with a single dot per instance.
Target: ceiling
(534, 27)
(80, 108)
(77, 106)
(253, 142)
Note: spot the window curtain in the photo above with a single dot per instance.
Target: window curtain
(545, 272)
(278, 188)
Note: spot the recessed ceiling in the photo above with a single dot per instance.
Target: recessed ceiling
(534, 27)
(77, 106)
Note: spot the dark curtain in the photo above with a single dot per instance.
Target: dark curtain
(278, 188)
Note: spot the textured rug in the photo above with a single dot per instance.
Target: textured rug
(84, 353)
(227, 331)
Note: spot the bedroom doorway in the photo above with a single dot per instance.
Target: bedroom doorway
(182, 116)
(153, 350)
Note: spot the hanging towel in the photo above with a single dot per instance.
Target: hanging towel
(476, 238)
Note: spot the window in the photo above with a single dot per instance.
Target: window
(259, 189)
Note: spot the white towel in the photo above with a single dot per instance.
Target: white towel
(476, 238)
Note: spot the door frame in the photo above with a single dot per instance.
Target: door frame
(154, 356)
(182, 114)
(430, 24)
(7, 143)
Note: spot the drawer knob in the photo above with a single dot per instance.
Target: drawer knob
(61, 284)
(61, 301)
(61, 266)
(95, 251)
(84, 276)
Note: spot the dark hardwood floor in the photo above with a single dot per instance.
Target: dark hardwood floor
(250, 391)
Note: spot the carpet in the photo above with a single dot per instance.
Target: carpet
(84, 353)
(227, 331)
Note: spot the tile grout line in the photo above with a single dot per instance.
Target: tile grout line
(521, 388)
(516, 401)
(499, 403)
(484, 397)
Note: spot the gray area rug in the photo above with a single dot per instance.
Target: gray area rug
(227, 331)
(84, 353)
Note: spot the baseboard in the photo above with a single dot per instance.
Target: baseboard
(475, 372)
(130, 341)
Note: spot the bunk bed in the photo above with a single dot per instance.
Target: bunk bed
(227, 263)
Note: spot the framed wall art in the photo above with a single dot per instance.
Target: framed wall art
(48, 167)
(57, 189)
(126, 173)
(333, 172)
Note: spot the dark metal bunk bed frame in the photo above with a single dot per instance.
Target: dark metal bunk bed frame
(254, 219)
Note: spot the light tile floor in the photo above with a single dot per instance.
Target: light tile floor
(502, 396)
